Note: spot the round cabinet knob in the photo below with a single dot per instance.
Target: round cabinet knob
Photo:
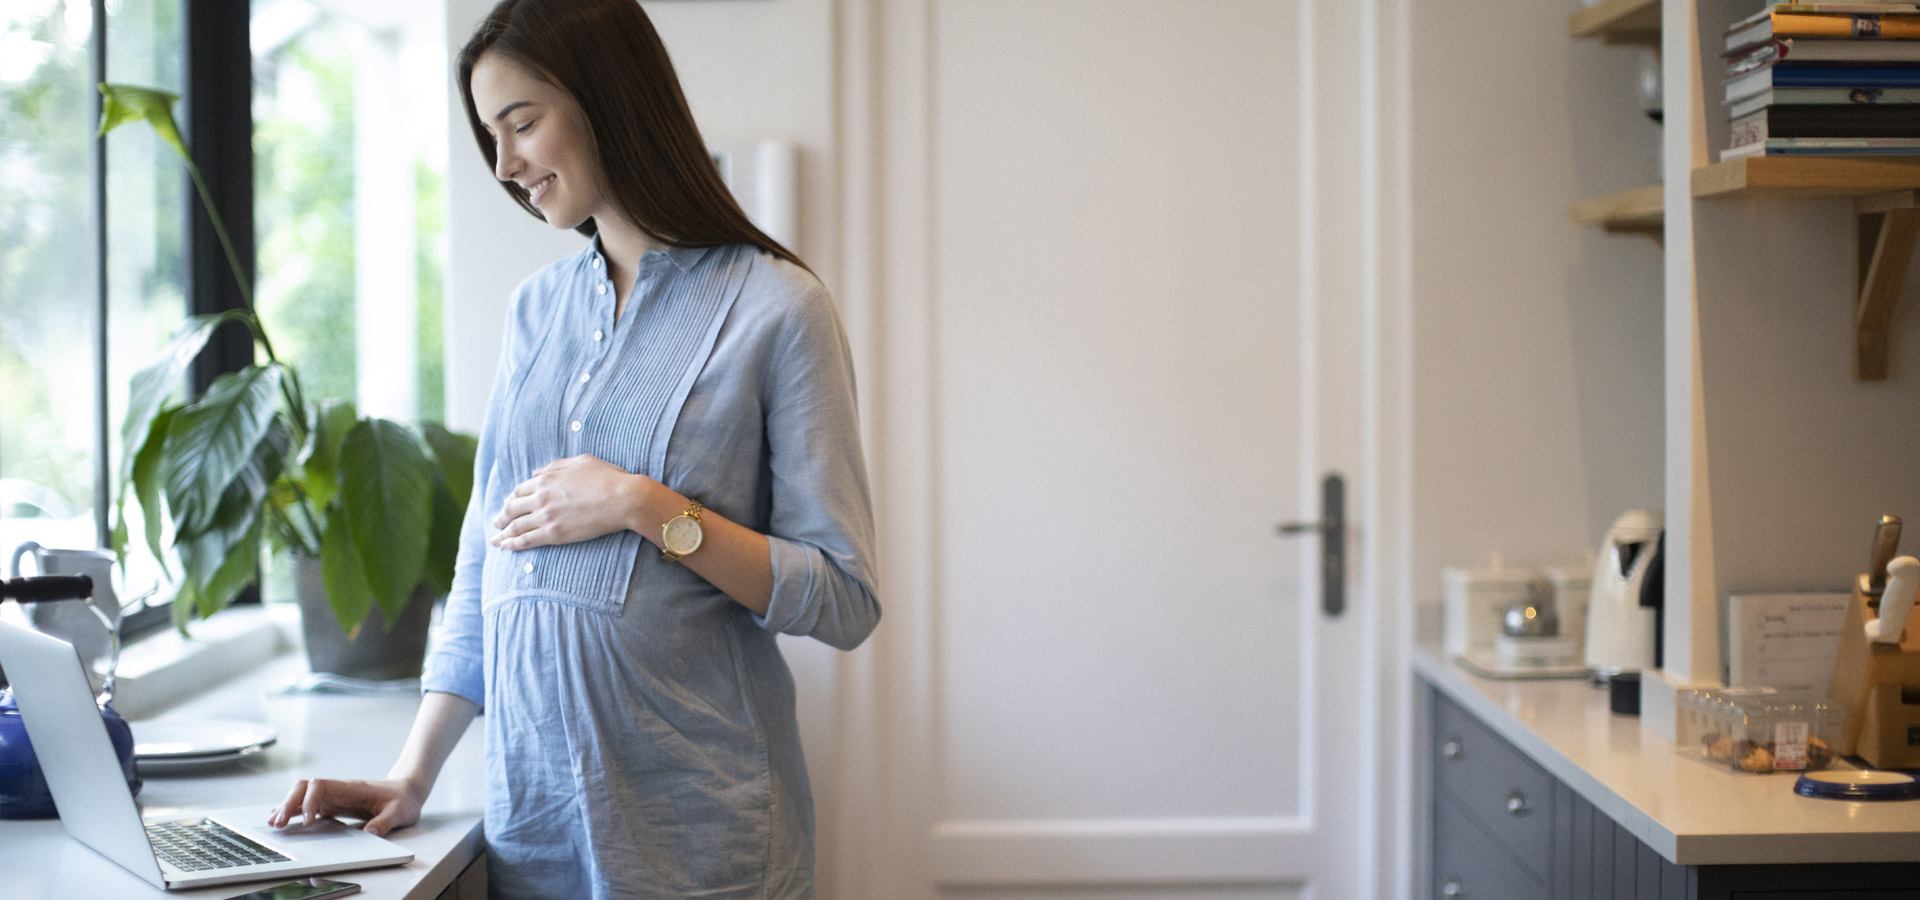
(1516, 804)
(1452, 888)
(1451, 748)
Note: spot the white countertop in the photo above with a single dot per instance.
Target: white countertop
(326, 735)
(1690, 811)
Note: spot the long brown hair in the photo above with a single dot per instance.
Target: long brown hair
(606, 54)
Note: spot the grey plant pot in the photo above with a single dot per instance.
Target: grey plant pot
(375, 653)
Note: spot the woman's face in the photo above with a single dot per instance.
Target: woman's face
(540, 138)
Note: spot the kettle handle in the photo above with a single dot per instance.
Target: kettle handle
(23, 550)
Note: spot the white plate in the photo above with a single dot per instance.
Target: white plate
(198, 739)
(192, 765)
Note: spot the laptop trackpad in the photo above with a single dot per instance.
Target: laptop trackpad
(325, 839)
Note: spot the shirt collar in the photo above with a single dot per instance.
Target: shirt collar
(684, 258)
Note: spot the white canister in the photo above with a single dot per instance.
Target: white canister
(1475, 599)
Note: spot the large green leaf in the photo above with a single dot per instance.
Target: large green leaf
(332, 421)
(209, 442)
(443, 543)
(387, 492)
(235, 572)
(146, 481)
(453, 453)
(151, 386)
(184, 603)
(452, 489)
(221, 559)
(344, 574)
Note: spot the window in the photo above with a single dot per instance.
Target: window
(346, 208)
(349, 140)
(48, 278)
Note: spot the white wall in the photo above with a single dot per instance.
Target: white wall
(1537, 342)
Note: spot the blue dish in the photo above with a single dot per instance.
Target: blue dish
(1858, 784)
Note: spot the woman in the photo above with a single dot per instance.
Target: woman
(682, 380)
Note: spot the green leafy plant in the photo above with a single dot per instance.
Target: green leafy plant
(249, 463)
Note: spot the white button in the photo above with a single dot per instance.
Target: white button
(576, 425)
(598, 334)
(596, 262)
(586, 377)
(600, 288)
(528, 568)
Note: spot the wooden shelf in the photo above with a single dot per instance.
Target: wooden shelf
(1807, 176)
(1637, 211)
(1886, 205)
(1619, 22)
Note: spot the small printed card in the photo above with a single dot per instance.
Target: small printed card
(1784, 641)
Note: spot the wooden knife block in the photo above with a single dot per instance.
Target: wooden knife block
(1879, 684)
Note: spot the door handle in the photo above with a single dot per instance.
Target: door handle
(1332, 529)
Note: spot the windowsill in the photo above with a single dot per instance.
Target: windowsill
(163, 668)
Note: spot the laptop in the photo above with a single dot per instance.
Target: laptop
(90, 791)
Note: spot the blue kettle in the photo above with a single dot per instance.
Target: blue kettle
(23, 788)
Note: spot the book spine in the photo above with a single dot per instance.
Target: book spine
(1843, 96)
(1835, 99)
(1849, 27)
(1871, 9)
(1831, 76)
(1807, 147)
(1826, 122)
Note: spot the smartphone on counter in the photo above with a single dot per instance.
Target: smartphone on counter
(304, 889)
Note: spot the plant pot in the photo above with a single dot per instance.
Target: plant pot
(375, 653)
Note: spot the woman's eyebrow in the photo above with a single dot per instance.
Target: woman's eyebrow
(502, 114)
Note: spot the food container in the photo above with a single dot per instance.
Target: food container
(1702, 712)
(1760, 735)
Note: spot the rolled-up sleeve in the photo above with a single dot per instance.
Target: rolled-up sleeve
(821, 532)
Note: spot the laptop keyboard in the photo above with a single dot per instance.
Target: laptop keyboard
(196, 846)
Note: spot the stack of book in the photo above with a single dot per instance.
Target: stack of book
(1831, 79)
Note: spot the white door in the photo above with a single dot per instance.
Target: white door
(1108, 245)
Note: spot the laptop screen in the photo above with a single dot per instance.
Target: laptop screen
(76, 755)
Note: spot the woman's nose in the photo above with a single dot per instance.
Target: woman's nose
(506, 163)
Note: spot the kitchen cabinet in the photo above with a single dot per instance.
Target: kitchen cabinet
(1499, 763)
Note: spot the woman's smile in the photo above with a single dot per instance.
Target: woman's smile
(538, 190)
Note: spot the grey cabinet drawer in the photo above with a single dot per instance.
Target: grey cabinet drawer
(1468, 864)
(1510, 796)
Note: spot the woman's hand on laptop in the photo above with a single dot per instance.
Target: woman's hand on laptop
(385, 805)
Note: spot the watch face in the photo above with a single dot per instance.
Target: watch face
(683, 535)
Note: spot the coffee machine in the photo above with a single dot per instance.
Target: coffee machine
(1620, 631)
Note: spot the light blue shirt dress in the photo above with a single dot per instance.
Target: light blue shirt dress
(641, 738)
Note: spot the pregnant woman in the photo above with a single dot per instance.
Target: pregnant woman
(669, 474)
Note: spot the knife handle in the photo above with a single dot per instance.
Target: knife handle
(1886, 541)
(1903, 577)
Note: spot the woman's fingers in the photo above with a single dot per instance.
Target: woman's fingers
(519, 526)
(310, 807)
(517, 505)
(278, 816)
(529, 536)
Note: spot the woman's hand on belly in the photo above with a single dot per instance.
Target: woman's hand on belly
(566, 501)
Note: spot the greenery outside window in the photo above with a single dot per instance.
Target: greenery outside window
(345, 202)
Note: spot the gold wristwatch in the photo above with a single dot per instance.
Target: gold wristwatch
(681, 535)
